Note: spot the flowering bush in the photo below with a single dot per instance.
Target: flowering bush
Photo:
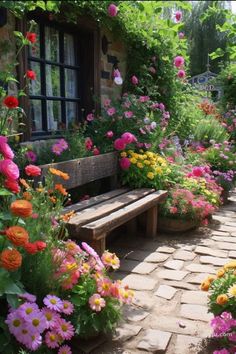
(144, 169)
(221, 157)
(229, 122)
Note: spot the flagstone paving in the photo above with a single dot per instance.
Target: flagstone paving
(169, 313)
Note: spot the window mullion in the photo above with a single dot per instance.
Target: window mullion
(62, 76)
(43, 77)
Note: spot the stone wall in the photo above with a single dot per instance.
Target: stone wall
(116, 52)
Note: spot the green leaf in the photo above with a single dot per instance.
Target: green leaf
(18, 34)
(12, 288)
(5, 192)
(5, 216)
(13, 300)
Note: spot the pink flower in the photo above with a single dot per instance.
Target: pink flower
(31, 156)
(53, 303)
(178, 61)
(50, 316)
(107, 102)
(104, 286)
(65, 349)
(124, 163)
(52, 339)
(9, 169)
(173, 210)
(109, 134)
(181, 74)
(28, 297)
(128, 138)
(56, 149)
(112, 10)
(5, 149)
(161, 106)
(119, 144)
(128, 114)
(111, 111)
(14, 322)
(90, 117)
(96, 151)
(34, 216)
(178, 16)
(181, 35)
(36, 322)
(116, 73)
(32, 170)
(88, 144)
(134, 80)
(144, 98)
(26, 309)
(96, 302)
(68, 307)
(65, 329)
(34, 341)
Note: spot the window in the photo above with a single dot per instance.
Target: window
(55, 97)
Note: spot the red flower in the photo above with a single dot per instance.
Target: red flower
(32, 170)
(11, 102)
(31, 248)
(12, 185)
(31, 37)
(96, 151)
(31, 74)
(40, 245)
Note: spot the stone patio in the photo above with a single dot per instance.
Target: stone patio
(169, 314)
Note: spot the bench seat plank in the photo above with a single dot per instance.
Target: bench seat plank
(94, 200)
(98, 228)
(103, 209)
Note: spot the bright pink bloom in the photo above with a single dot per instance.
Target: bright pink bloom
(53, 303)
(51, 317)
(119, 144)
(128, 138)
(32, 170)
(68, 307)
(34, 341)
(9, 169)
(144, 99)
(28, 297)
(111, 111)
(134, 80)
(178, 16)
(96, 151)
(161, 106)
(104, 286)
(65, 329)
(88, 144)
(109, 134)
(181, 74)
(112, 10)
(128, 114)
(125, 163)
(65, 349)
(14, 322)
(26, 309)
(96, 302)
(90, 117)
(181, 35)
(178, 61)
(5, 149)
(52, 339)
(107, 102)
(173, 210)
(36, 322)
(31, 156)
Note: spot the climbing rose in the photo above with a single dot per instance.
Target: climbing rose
(181, 35)
(134, 80)
(112, 10)
(32, 170)
(128, 138)
(11, 102)
(124, 163)
(90, 117)
(178, 16)
(5, 149)
(178, 61)
(181, 74)
(30, 74)
(31, 37)
(109, 134)
(119, 144)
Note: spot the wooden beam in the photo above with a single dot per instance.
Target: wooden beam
(151, 222)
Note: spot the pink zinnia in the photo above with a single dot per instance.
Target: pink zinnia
(178, 61)
(119, 144)
(63, 143)
(57, 149)
(53, 303)
(68, 307)
(32, 170)
(109, 134)
(128, 138)
(111, 111)
(9, 169)
(65, 349)
(134, 80)
(52, 339)
(181, 74)
(90, 117)
(178, 16)
(128, 114)
(31, 156)
(96, 302)
(125, 163)
(65, 329)
(5, 149)
(112, 10)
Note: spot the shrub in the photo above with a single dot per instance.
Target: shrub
(210, 129)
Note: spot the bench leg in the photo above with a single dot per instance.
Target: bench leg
(132, 226)
(151, 223)
(99, 245)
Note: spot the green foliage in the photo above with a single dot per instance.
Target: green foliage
(210, 129)
(227, 79)
(221, 158)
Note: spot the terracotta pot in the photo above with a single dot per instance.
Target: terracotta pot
(176, 225)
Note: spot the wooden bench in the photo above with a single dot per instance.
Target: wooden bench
(95, 218)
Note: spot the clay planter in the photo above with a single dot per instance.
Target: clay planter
(170, 225)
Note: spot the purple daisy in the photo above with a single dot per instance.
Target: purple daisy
(51, 317)
(34, 342)
(65, 329)
(28, 297)
(15, 322)
(68, 307)
(26, 309)
(36, 322)
(52, 339)
(65, 349)
(53, 303)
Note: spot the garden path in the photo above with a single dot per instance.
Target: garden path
(169, 314)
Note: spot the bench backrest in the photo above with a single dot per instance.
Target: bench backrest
(85, 170)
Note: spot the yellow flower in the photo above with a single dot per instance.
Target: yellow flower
(133, 160)
(146, 162)
(158, 170)
(232, 291)
(135, 156)
(144, 156)
(230, 265)
(150, 175)
(130, 151)
(123, 154)
(149, 154)
(220, 273)
(139, 165)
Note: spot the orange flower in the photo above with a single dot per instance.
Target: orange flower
(10, 259)
(66, 217)
(24, 183)
(53, 200)
(21, 208)
(27, 195)
(205, 285)
(17, 235)
(211, 278)
(59, 173)
(220, 273)
(222, 299)
(59, 187)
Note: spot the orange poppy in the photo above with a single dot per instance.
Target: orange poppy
(21, 208)
(59, 173)
(24, 183)
(10, 259)
(59, 187)
(53, 200)
(17, 235)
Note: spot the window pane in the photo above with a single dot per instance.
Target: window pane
(71, 83)
(52, 80)
(69, 49)
(71, 114)
(34, 49)
(36, 115)
(52, 44)
(35, 85)
(54, 115)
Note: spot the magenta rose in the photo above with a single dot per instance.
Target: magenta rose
(112, 10)
(178, 61)
(109, 134)
(119, 144)
(128, 138)
(181, 74)
(134, 80)
(5, 149)
(124, 163)
(9, 169)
